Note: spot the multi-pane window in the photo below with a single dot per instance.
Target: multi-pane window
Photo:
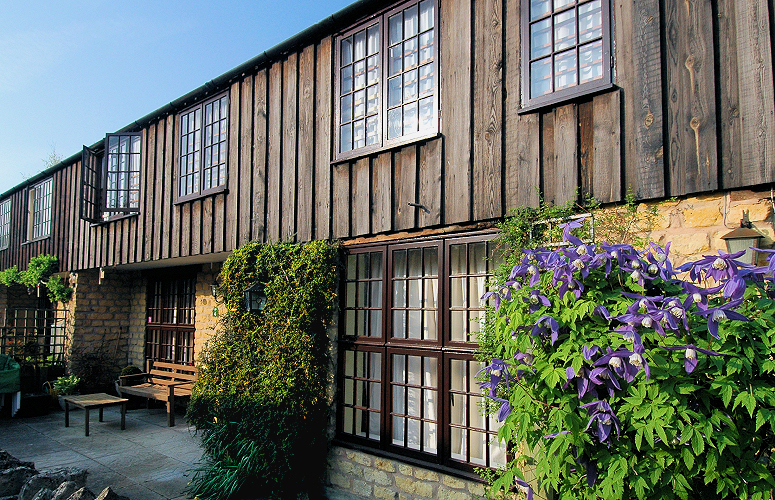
(169, 333)
(203, 148)
(40, 198)
(567, 50)
(5, 224)
(387, 79)
(122, 173)
(407, 371)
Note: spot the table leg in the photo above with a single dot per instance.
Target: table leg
(86, 420)
(123, 416)
(100, 413)
(67, 414)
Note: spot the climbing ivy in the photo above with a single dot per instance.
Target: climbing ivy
(40, 271)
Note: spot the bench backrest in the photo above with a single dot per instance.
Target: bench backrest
(164, 373)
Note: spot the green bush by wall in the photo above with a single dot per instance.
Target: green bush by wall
(260, 402)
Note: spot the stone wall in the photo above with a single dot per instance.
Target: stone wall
(137, 320)
(208, 309)
(352, 472)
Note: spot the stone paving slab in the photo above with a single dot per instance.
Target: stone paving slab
(147, 461)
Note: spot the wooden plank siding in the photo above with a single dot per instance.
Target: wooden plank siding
(692, 110)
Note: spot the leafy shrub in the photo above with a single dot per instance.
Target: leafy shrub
(66, 385)
(40, 271)
(260, 401)
(95, 367)
(616, 379)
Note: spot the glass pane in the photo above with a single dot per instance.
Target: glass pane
(372, 133)
(426, 79)
(429, 437)
(399, 373)
(478, 264)
(394, 123)
(413, 434)
(410, 53)
(372, 103)
(398, 430)
(565, 30)
(590, 21)
(376, 265)
(591, 62)
(562, 3)
(399, 324)
(399, 293)
(373, 39)
(136, 144)
(565, 70)
(458, 294)
(395, 60)
(414, 324)
(457, 377)
(363, 294)
(394, 91)
(539, 8)
(350, 295)
(410, 118)
(457, 328)
(359, 74)
(478, 448)
(410, 85)
(372, 67)
(375, 362)
(415, 293)
(413, 370)
(540, 77)
(426, 113)
(426, 47)
(541, 38)
(431, 326)
(347, 108)
(347, 80)
(415, 262)
(346, 137)
(426, 15)
(399, 263)
(359, 104)
(360, 45)
(459, 443)
(413, 401)
(497, 452)
(351, 266)
(349, 363)
(410, 22)
(376, 323)
(347, 425)
(395, 27)
(431, 379)
(359, 134)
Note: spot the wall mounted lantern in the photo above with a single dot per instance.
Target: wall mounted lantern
(742, 238)
(255, 298)
(215, 289)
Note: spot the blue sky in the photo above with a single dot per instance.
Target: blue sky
(72, 71)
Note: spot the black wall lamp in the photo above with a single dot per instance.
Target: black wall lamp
(255, 298)
(742, 238)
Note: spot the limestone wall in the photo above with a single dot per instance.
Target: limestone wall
(208, 309)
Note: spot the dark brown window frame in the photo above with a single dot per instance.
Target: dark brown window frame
(443, 349)
(570, 93)
(184, 307)
(201, 193)
(384, 143)
(5, 223)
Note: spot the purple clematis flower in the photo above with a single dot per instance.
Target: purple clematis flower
(536, 300)
(690, 358)
(504, 294)
(504, 411)
(698, 295)
(497, 370)
(734, 288)
(649, 319)
(720, 268)
(600, 412)
(524, 487)
(770, 260)
(717, 314)
(570, 226)
(545, 325)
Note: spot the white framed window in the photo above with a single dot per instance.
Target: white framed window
(40, 198)
(5, 224)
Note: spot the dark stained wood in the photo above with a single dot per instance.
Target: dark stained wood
(258, 205)
(185, 230)
(522, 152)
(488, 95)
(548, 162)
(176, 214)
(405, 190)
(361, 195)
(456, 103)
(196, 227)
(207, 225)
(275, 144)
(382, 193)
(169, 183)
(638, 48)
(730, 140)
(219, 224)
(70, 259)
(429, 193)
(693, 161)
(341, 201)
(290, 109)
(306, 151)
(607, 165)
(323, 131)
(586, 148)
(244, 210)
(149, 212)
(566, 153)
(231, 200)
(757, 96)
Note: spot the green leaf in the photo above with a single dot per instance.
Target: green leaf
(698, 443)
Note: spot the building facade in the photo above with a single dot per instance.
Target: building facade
(407, 130)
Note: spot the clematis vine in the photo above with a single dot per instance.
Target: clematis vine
(602, 415)
(721, 313)
(536, 300)
(690, 358)
(719, 268)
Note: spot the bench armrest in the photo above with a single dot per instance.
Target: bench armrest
(122, 379)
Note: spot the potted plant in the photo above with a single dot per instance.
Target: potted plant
(65, 386)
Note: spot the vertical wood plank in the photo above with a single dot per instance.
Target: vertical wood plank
(341, 201)
(231, 202)
(159, 241)
(488, 95)
(607, 165)
(757, 96)
(150, 195)
(693, 160)
(170, 147)
(290, 109)
(456, 104)
(172, 213)
(382, 193)
(196, 227)
(405, 191)
(639, 73)
(566, 153)
(72, 258)
(429, 193)
(548, 162)
(185, 229)
(207, 224)
(729, 95)
(361, 194)
(245, 212)
(323, 130)
(275, 144)
(219, 224)
(258, 206)
(586, 148)
(522, 149)
(306, 150)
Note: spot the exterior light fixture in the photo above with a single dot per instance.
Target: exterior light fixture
(742, 238)
(215, 289)
(255, 298)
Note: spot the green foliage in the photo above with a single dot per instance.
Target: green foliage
(260, 401)
(130, 370)
(40, 271)
(684, 431)
(66, 385)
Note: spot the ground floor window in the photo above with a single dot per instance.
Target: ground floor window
(407, 377)
(169, 332)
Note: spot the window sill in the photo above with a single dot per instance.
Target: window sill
(568, 98)
(204, 194)
(36, 240)
(370, 151)
(114, 219)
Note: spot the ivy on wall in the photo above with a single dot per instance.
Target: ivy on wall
(260, 402)
(40, 271)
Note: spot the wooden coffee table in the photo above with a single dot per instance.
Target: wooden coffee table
(91, 401)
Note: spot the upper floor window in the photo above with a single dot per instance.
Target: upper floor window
(203, 148)
(40, 197)
(110, 180)
(566, 50)
(5, 224)
(387, 80)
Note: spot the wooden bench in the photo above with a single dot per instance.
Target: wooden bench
(162, 382)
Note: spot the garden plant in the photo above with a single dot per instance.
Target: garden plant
(617, 375)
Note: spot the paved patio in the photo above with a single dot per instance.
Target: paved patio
(147, 461)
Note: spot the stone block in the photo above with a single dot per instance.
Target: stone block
(690, 243)
(453, 482)
(707, 216)
(350, 468)
(405, 469)
(476, 489)
(448, 494)
(384, 464)
(426, 475)
(361, 488)
(385, 493)
(13, 479)
(376, 476)
(339, 480)
(414, 487)
(358, 457)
